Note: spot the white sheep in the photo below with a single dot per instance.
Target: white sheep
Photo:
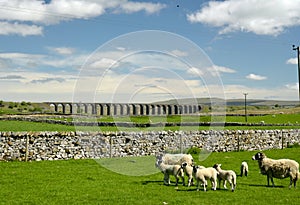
(168, 170)
(202, 175)
(281, 168)
(244, 169)
(176, 158)
(188, 170)
(226, 175)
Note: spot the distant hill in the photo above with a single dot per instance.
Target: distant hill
(230, 102)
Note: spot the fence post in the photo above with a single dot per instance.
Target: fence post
(238, 142)
(26, 153)
(110, 146)
(180, 143)
(282, 139)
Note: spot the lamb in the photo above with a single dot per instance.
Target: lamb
(244, 169)
(204, 174)
(281, 168)
(168, 170)
(188, 170)
(226, 175)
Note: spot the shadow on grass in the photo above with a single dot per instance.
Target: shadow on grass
(150, 182)
(260, 185)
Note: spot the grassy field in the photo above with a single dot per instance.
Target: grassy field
(89, 182)
(16, 126)
(290, 121)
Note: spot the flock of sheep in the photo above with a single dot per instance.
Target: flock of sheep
(179, 165)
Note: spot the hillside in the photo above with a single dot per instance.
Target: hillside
(231, 102)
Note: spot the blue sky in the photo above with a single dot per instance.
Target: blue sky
(48, 48)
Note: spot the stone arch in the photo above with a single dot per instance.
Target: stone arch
(176, 109)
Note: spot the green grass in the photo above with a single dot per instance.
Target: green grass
(273, 119)
(39, 126)
(87, 182)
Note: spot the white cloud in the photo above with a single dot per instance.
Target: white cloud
(17, 16)
(256, 16)
(216, 70)
(256, 77)
(195, 71)
(103, 63)
(179, 53)
(223, 69)
(63, 50)
(293, 86)
(150, 8)
(292, 61)
(20, 29)
(36, 62)
(280, 93)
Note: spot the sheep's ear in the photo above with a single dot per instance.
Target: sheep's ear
(220, 165)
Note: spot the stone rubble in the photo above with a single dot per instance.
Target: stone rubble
(81, 145)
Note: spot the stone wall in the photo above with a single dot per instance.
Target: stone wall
(76, 145)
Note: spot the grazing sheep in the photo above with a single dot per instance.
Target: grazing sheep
(205, 174)
(281, 168)
(188, 170)
(226, 175)
(176, 158)
(244, 169)
(168, 170)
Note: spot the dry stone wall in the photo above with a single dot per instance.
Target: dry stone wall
(77, 145)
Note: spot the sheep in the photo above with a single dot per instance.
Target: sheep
(244, 169)
(226, 175)
(168, 170)
(204, 174)
(176, 158)
(188, 170)
(281, 168)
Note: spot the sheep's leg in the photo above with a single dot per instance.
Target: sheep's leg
(291, 182)
(190, 181)
(232, 186)
(177, 179)
(198, 184)
(167, 179)
(204, 184)
(268, 178)
(214, 184)
(224, 184)
(272, 181)
(183, 183)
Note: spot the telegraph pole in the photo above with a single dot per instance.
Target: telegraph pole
(246, 106)
(297, 49)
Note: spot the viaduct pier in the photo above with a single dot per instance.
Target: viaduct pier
(123, 109)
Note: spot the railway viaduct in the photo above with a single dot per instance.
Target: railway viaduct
(120, 109)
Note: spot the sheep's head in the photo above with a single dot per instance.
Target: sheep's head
(258, 156)
(158, 163)
(183, 165)
(195, 168)
(216, 166)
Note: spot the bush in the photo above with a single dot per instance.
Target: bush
(194, 150)
(296, 145)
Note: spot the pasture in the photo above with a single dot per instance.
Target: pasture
(88, 182)
(280, 121)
